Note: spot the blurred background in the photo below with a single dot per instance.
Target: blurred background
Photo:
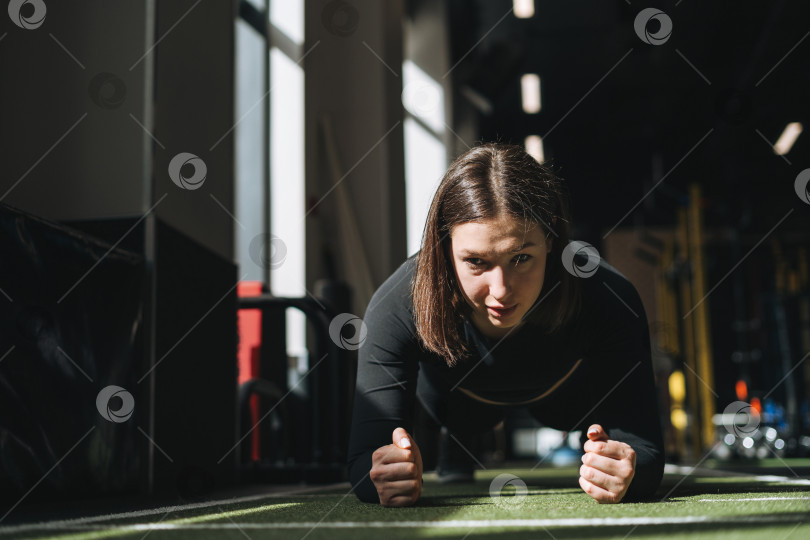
(198, 198)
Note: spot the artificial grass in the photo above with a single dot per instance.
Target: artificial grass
(713, 507)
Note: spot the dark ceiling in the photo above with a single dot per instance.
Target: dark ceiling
(619, 114)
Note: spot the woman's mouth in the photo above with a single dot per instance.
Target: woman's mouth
(501, 312)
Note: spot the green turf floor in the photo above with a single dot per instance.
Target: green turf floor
(695, 506)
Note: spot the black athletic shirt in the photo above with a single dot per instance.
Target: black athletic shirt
(596, 370)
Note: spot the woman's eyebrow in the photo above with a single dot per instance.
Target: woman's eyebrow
(471, 253)
(524, 246)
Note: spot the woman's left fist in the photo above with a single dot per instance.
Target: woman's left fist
(607, 468)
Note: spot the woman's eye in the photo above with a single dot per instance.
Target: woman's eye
(522, 258)
(474, 262)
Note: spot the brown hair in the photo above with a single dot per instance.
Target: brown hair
(486, 182)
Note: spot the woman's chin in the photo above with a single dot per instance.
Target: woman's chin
(502, 323)
(506, 327)
(498, 324)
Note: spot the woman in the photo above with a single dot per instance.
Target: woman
(494, 312)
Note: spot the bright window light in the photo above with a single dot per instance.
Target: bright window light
(530, 90)
(250, 191)
(425, 162)
(787, 138)
(523, 8)
(287, 194)
(534, 147)
(288, 16)
(422, 96)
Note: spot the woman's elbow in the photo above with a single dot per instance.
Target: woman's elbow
(647, 479)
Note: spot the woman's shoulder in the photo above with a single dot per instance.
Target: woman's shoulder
(608, 292)
(394, 295)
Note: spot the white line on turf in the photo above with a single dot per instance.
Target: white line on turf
(69, 523)
(704, 471)
(784, 479)
(758, 499)
(82, 523)
(449, 524)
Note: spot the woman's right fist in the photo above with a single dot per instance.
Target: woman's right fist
(396, 470)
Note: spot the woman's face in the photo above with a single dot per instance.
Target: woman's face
(500, 267)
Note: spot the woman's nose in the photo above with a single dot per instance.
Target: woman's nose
(498, 286)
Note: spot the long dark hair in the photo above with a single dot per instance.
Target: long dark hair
(487, 182)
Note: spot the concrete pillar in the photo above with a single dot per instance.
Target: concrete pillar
(353, 77)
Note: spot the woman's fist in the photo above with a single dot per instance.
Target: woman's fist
(396, 470)
(607, 468)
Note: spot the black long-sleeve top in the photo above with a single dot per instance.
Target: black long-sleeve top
(595, 370)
